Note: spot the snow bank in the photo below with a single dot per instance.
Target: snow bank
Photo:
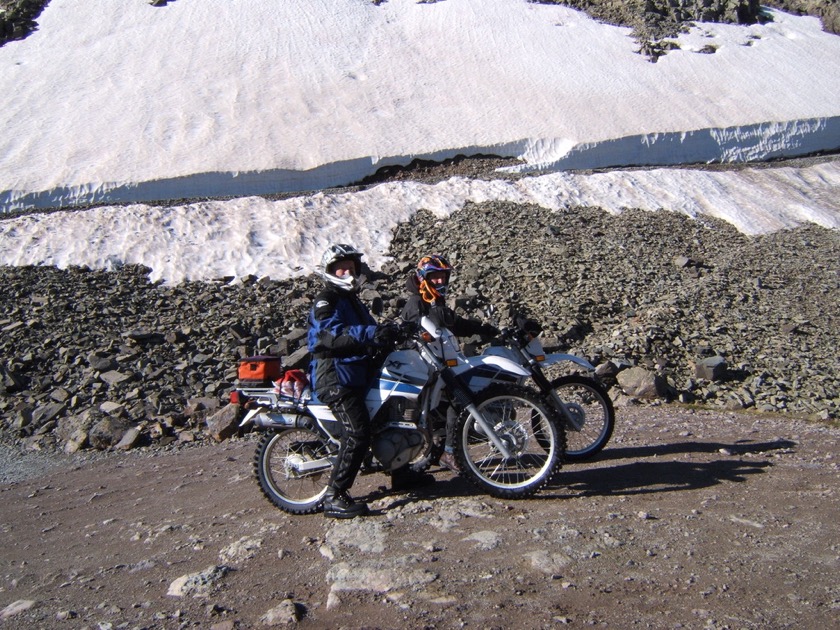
(121, 101)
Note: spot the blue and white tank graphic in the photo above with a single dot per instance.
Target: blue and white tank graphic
(404, 374)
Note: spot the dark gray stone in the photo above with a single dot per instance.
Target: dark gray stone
(711, 369)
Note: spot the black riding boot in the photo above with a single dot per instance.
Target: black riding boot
(339, 504)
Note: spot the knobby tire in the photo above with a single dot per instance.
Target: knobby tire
(532, 430)
(279, 480)
(589, 398)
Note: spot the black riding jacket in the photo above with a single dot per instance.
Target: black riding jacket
(416, 307)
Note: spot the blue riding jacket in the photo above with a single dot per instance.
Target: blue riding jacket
(341, 330)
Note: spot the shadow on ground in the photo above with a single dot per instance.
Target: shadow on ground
(643, 474)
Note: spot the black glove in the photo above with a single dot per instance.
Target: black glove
(529, 326)
(386, 334)
(407, 330)
(488, 330)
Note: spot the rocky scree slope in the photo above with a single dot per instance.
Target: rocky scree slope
(652, 21)
(668, 308)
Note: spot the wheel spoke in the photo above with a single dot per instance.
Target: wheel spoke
(520, 420)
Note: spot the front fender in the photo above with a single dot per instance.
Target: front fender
(499, 363)
(551, 359)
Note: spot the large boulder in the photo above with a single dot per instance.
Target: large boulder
(224, 423)
(639, 382)
(108, 432)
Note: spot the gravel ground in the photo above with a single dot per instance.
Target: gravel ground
(689, 519)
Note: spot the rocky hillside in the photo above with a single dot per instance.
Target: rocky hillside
(668, 308)
(652, 21)
(660, 18)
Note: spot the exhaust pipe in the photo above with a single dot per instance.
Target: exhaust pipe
(271, 420)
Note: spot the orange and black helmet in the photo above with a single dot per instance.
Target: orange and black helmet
(431, 264)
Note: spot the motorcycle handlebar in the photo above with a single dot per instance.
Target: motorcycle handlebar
(507, 332)
(403, 332)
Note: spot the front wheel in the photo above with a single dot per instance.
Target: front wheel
(592, 415)
(529, 430)
(293, 467)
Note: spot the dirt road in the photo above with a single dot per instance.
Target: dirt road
(692, 519)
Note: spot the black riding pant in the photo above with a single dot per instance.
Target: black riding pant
(451, 428)
(352, 413)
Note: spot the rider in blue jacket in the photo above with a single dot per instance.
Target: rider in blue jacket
(342, 339)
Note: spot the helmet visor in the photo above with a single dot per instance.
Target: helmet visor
(344, 268)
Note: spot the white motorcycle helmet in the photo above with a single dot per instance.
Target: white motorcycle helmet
(337, 253)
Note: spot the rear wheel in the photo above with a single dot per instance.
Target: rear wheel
(434, 443)
(429, 455)
(293, 467)
(593, 415)
(529, 430)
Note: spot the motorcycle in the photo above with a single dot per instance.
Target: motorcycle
(508, 442)
(579, 399)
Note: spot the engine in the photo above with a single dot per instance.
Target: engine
(395, 447)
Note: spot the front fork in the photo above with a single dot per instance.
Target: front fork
(574, 421)
(460, 395)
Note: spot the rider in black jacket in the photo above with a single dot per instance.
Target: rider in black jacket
(427, 287)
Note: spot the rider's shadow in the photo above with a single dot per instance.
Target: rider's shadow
(446, 485)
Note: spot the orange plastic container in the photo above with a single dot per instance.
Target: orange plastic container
(261, 369)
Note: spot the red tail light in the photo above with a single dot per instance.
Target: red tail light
(234, 397)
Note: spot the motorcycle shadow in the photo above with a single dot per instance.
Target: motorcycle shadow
(655, 476)
(741, 447)
(599, 478)
(446, 485)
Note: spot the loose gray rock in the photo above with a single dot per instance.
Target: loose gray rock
(224, 423)
(284, 613)
(199, 584)
(604, 287)
(16, 607)
(711, 369)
